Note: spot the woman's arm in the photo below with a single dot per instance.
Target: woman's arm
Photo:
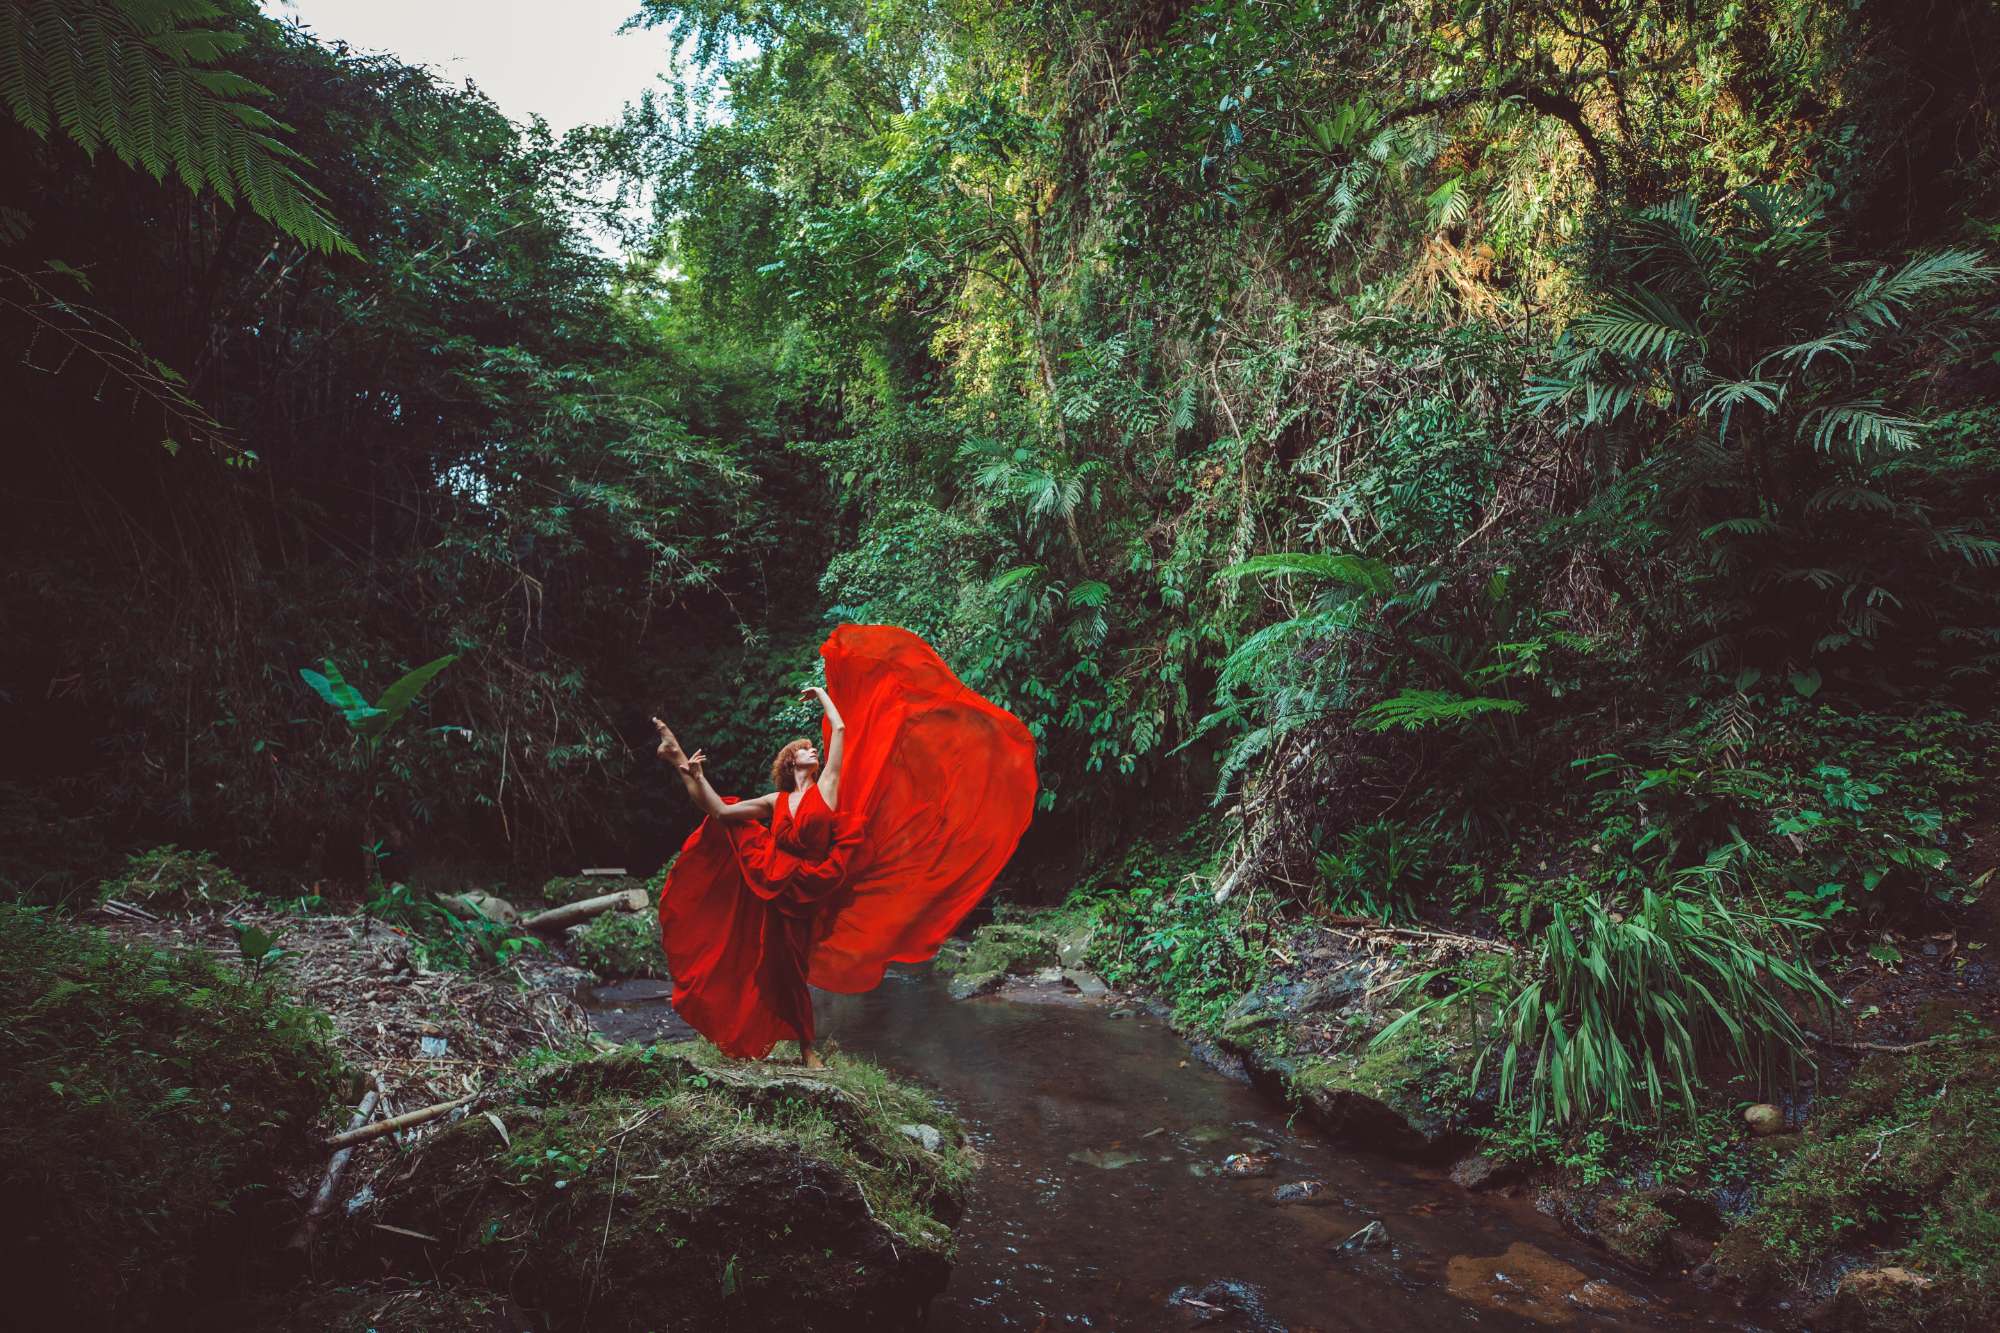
(836, 748)
(695, 779)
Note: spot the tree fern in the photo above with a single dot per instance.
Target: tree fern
(134, 76)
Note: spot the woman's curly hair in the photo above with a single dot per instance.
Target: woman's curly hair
(781, 767)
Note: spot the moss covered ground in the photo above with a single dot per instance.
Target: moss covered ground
(153, 1107)
(672, 1188)
(1901, 1171)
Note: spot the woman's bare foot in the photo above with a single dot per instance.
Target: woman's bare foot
(809, 1058)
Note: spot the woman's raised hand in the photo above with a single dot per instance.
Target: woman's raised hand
(670, 749)
(692, 764)
(815, 692)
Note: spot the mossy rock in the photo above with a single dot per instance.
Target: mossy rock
(566, 889)
(995, 952)
(1409, 1096)
(169, 878)
(1636, 1230)
(1901, 1171)
(669, 1188)
(153, 1105)
(618, 945)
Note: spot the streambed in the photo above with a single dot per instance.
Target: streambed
(1127, 1187)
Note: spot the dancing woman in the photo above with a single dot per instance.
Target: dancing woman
(866, 859)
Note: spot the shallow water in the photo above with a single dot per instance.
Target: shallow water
(1104, 1202)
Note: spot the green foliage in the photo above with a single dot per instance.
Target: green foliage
(369, 721)
(617, 945)
(1614, 1014)
(443, 938)
(167, 877)
(1158, 926)
(1382, 869)
(144, 78)
(152, 1108)
(1808, 534)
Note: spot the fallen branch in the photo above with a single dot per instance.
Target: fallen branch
(1374, 927)
(119, 907)
(1898, 1048)
(631, 900)
(330, 1184)
(364, 1133)
(405, 1231)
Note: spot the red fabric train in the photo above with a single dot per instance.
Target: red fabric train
(937, 787)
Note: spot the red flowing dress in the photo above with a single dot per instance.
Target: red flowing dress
(937, 786)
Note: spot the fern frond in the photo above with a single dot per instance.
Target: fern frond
(1740, 527)
(1638, 324)
(1414, 709)
(1847, 496)
(1357, 571)
(1863, 424)
(1884, 297)
(137, 77)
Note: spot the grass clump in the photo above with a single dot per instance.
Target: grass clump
(151, 1105)
(1617, 1013)
(616, 945)
(169, 877)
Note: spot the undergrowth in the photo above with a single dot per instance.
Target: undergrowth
(151, 1106)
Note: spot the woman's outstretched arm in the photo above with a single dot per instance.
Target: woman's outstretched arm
(689, 766)
(836, 747)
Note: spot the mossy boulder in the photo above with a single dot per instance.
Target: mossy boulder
(1900, 1172)
(153, 1107)
(1636, 1230)
(172, 879)
(618, 945)
(996, 951)
(1409, 1096)
(566, 889)
(669, 1188)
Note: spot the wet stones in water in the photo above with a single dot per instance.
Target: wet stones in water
(1086, 983)
(1529, 1281)
(1223, 1304)
(1109, 1159)
(1310, 1193)
(1374, 1236)
(1479, 1171)
(1246, 1165)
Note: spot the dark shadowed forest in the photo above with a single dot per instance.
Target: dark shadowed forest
(1486, 508)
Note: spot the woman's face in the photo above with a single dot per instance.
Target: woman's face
(806, 757)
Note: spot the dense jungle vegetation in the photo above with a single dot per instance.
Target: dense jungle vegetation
(1522, 468)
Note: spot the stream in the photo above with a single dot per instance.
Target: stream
(1104, 1202)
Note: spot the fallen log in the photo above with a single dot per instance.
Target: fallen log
(631, 900)
(364, 1133)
